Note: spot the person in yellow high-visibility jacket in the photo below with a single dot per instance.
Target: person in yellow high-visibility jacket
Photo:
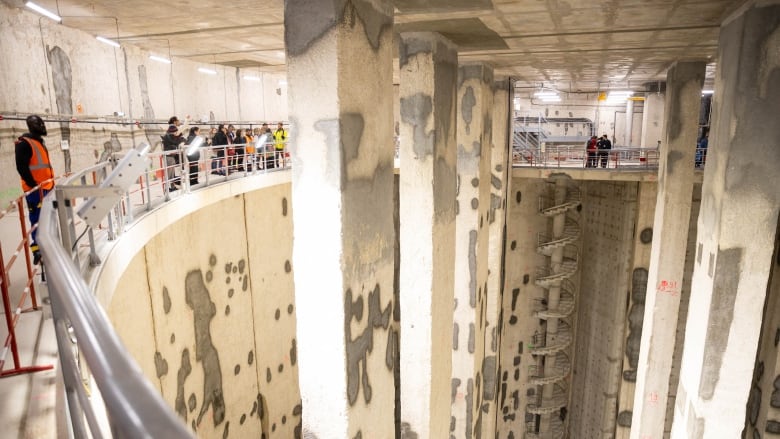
(280, 144)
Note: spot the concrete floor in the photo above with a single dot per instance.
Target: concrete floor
(28, 401)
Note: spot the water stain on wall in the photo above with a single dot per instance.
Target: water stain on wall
(359, 347)
(198, 299)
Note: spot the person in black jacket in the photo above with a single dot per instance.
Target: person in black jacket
(193, 158)
(219, 142)
(604, 146)
(171, 140)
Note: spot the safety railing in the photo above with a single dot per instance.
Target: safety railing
(24, 290)
(104, 199)
(577, 157)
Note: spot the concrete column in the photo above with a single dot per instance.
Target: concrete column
(737, 229)
(499, 183)
(475, 106)
(667, 257)
(340, 75)
(428, 154)
(628, 141)
(652, 120)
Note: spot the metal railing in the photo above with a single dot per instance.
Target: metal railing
(134, 408)
(577, 157)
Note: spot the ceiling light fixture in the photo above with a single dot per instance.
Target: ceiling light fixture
(159, 59)
(707, 92)
(207, 71)
(107, 41)
(43, 11)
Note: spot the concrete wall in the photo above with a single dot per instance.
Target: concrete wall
(207, 309)
(607, 119)
(521, 261)
(60, 72)
(607, 221)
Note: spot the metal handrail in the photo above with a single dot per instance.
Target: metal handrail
(134, 407)
(576, 157)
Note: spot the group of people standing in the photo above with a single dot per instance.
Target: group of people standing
(598, 151)
(234, 150)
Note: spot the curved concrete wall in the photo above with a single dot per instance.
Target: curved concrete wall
(201, 292)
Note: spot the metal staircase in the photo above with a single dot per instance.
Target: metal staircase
(549, 347)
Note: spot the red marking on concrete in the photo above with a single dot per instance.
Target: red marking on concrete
(669, 287)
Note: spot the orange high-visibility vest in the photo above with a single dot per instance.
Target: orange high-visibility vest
(40, 166)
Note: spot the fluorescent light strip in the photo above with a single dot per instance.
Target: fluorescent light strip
(159, 59)
(251, 78)
(551, 99)
(43, 11)
(207, 71)
(707, 92)
(107, 41)
(541, 94)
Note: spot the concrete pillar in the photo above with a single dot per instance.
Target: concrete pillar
(475, 106)
(667, 257)
(340, 75)
(652, 120)
(628, 141)
(737, 228)
(428, 154)
(499, 182)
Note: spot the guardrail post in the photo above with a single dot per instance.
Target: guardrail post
(26, 249)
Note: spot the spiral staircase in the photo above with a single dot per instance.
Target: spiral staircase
(549, 347)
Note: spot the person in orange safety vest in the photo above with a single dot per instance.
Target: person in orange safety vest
(36, 172)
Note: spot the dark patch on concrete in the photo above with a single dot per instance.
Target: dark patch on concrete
(209, 276)
(293, 352)
(227, 310)
(775, 399)
(724, 294)
(357, 349)
(772, 427)
(166, 300)
(678, 77)
(471, 338)
(204, 310)
(474, 203)
(518, 197)
(624, 418)
(245, 283)
(415, 111)
(280, 368)
(636, 317)
(469, 407)
(267, 374)
(243, 419)
(237, 369)
(754, 404)
(284, 420)
(226, 431)
(230, 293)
(62, 79)
(515, 295)
(467, 33)
(392, 348)
(306, 21)
(284, 206)
(473, 268)
(407, 432)
(671, 161)
(630, 375)
(455, 330)
(495, 182)
(513, 245)
(359, 435)
(228, 268)
(646, 235)
(173, 338)
(467, 104)
(475, 182)
(489, 373)
(289, 309)
(277, 314)
(513, 320)
(143, 85)
(526, 279)
(639, 285)
(455, 384)
(160, 364)
(181, 376)
(287, 266)
(212, 260)
(250, 358)
(192, 402)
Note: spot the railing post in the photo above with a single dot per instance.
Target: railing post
(8, 315)
(26, 249)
